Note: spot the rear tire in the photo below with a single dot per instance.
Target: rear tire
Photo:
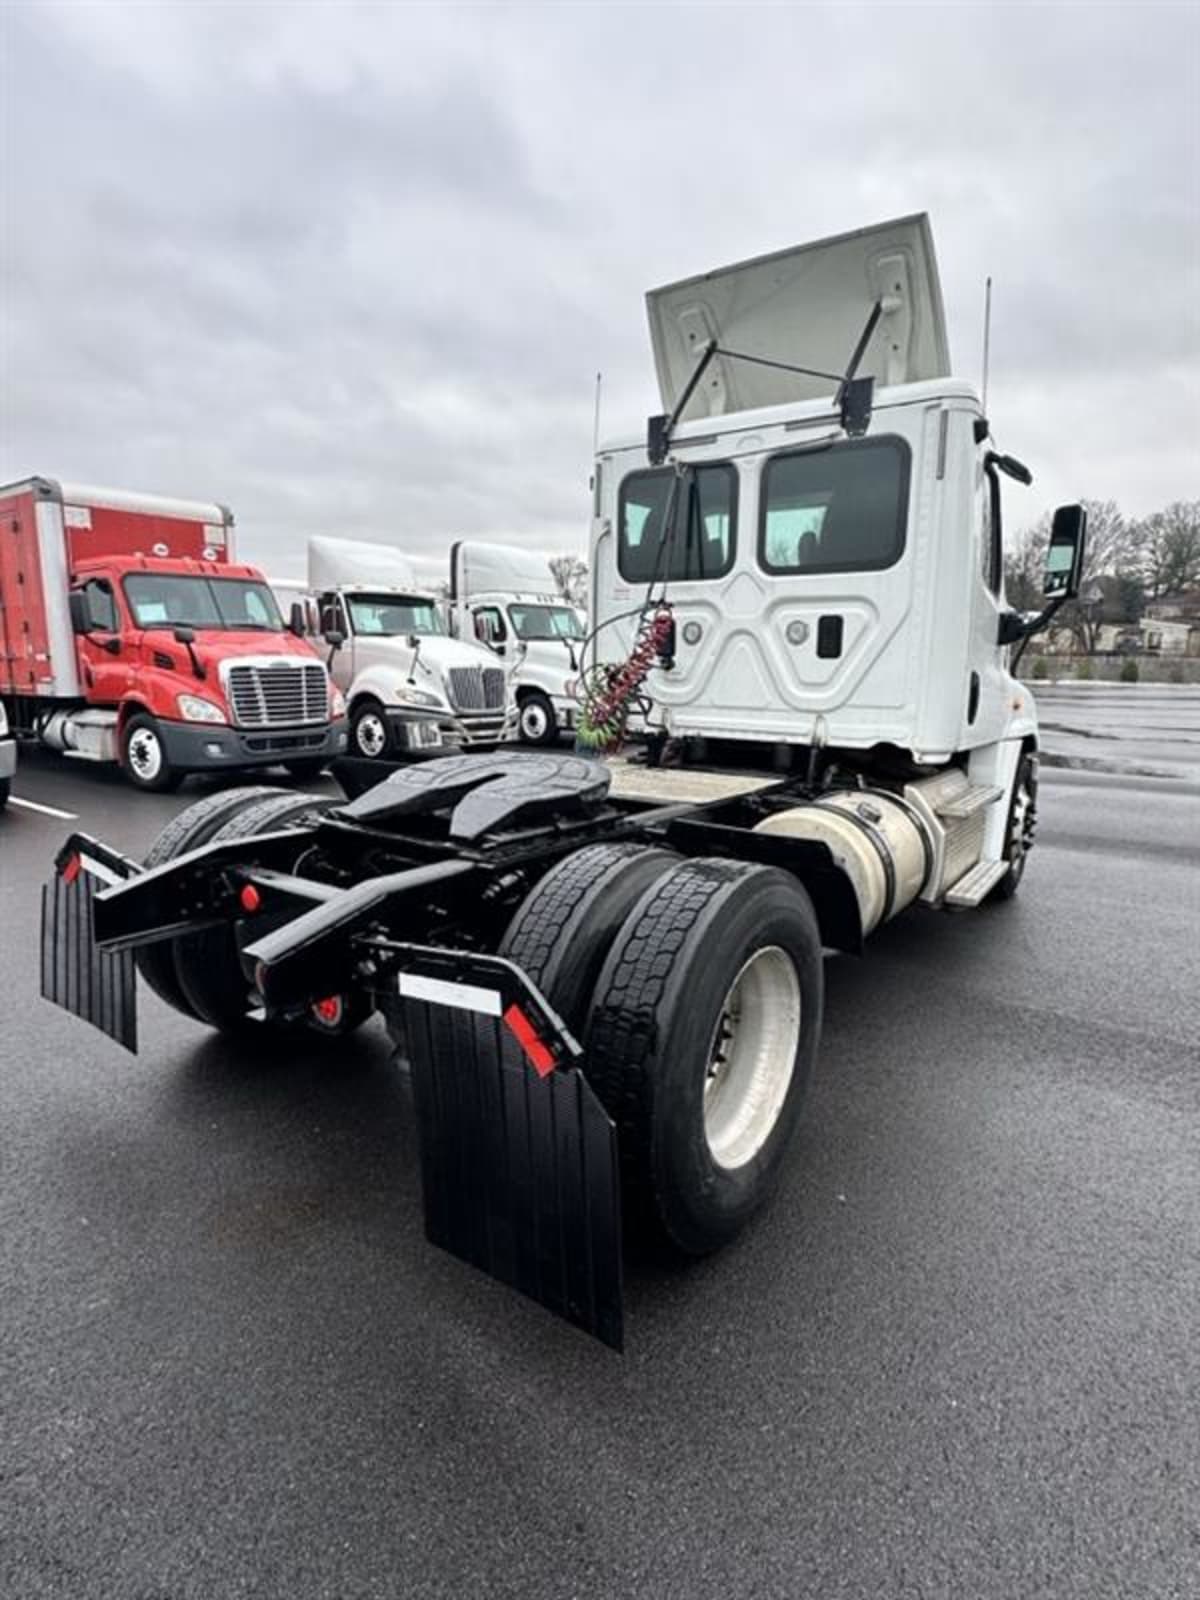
(207, 966)
(701, 1042)
(536, 722)
(188, 831)
(144, 756)
(565, 925)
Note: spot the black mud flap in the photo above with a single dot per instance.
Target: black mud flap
(99, 986)
(518, 1156)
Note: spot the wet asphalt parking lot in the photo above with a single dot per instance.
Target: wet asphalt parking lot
(959, 1355)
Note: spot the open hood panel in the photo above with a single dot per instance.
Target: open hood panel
(807, 305)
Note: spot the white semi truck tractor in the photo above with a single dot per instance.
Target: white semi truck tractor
(606, 970)
(505, 597)
(410, 687)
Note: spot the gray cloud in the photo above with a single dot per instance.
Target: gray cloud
(353, 268)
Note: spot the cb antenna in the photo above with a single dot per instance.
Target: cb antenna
(596, 416)
(987, 339)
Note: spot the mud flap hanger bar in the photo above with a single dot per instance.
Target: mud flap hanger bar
(854, 399)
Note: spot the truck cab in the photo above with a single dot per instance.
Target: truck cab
(131, 635)
(410, 686)
(505, 598)
(833, 588)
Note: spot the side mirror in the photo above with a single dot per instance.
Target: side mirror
(334, 638)
(296, 619)
(1064, 558)
(81, 612)
(183, 635)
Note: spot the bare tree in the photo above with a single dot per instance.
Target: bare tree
(570, 574)
(1171, 548)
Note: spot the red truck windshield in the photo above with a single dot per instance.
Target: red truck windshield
(159, 600)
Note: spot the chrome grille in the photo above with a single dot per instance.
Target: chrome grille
(278, 695)
(476, 688)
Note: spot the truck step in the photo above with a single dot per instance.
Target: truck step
(969, 801)
(976, 884)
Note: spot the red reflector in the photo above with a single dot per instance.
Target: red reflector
(329, 1010)
(250, 898)
(72, 869)
(541, 1059)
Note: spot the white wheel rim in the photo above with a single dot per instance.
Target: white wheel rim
(145, 754)
(371, 734)
(533, 720)
(751, 1057)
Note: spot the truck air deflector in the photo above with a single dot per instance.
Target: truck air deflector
(98, 986)
(518, 1160)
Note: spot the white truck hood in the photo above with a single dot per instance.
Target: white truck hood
(808, 306)
(438, 651)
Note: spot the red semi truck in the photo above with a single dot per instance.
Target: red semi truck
(128, 634)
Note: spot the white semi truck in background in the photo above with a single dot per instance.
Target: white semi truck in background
(505, 597)
(608, 975)
(409, 686)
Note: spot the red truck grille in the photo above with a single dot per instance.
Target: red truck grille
(278, 696)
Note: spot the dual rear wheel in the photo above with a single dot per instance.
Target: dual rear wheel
(201, 974)
(696, 989)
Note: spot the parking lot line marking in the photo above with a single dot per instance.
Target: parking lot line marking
(48, 811)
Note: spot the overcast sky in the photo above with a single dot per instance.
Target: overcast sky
(354, 268)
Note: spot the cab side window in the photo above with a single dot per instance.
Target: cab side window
(102, 605)
(489, 625)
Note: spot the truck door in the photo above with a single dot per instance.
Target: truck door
(105, 654)
(988, 689)
(334, 618)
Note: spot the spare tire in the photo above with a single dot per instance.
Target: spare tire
(207, 966)
(562, 930)
(193, 827)
(701, 1041)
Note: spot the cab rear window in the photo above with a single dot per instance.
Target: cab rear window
(841, 509)
(699, 539)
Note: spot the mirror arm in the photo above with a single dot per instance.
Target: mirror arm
(1024, 631)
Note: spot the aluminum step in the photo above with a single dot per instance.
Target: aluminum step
(969, 801)
(975, 885)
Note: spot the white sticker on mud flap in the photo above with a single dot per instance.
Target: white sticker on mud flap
(77, 517)
(462, 996)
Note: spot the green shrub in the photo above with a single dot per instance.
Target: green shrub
(1129, 670)
(1041, 668)
(1084, 669)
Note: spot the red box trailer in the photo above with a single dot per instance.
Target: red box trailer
(128, 634)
